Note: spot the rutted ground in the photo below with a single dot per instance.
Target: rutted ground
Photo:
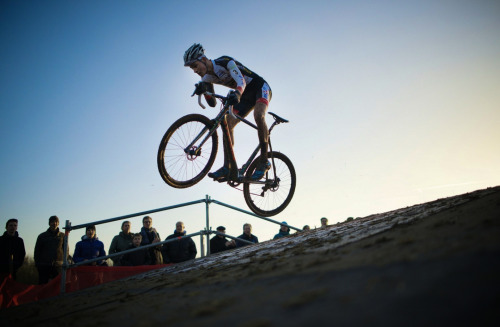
(431, 264)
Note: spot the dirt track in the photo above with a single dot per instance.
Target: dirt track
(434, 264)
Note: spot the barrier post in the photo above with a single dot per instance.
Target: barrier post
(67, 228)
(202, 233)
(207, 228)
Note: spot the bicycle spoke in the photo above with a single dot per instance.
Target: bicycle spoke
(181, 163)
(272, 197)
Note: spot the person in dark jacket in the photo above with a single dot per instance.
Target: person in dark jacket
(12, 250)
(180, 250)
(138, 257)
(90, 248)
(150, 236)
(284, 231)
(121, 242)
(219, 243)
(49, 252)
(247, 235)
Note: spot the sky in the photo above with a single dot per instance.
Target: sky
(390, 103)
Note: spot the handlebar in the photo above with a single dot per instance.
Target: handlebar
(277, 119)
(222, 98)
(199, 101)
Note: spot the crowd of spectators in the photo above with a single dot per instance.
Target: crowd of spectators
(49, 247)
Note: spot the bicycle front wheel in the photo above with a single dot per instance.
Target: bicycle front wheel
(271, 198)
(182, 159)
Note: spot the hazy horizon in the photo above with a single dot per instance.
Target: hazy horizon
(390, 104)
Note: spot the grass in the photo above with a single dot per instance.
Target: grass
(28, 274)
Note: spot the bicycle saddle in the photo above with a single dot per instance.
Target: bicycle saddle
(278, 118)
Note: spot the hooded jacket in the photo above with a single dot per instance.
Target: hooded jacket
(120, 242)
(89, 248)
(281, 234)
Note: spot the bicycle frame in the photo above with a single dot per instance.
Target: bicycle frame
(236, 175)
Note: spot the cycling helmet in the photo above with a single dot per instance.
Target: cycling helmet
(194, 53)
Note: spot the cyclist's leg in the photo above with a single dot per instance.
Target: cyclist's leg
(259, 114)
(261, 105)
(224, 170)
(231, 124)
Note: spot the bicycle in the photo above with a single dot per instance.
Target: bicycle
(188, 149)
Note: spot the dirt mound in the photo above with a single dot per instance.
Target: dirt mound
(431, 264)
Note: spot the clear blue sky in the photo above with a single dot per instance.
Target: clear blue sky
(391, 103)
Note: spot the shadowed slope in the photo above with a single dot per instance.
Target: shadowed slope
(431, 264)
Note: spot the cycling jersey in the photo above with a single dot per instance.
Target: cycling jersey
(233, 74)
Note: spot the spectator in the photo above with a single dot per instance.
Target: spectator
(121, 242)
(284, 231)
(138, 257)
(219, 243)
(150, 236)
(247, 235)
(324, 222)
(90, 248)
(49, 252)
(12, 250)
(180, 250)
(306, 228)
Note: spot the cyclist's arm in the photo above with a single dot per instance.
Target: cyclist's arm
(237, 76)
(212, 102)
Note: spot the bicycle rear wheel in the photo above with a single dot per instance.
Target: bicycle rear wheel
(182, 166)
(273, 197)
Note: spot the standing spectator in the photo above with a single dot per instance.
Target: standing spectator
(324, 222)
(284, 231)
(49, 252)
(12, 250)
(90, 248)
(219, 243)
(150, 236)
(138, 257)
(306, 228)
(247, 235)
(180, 250)
(121, 242)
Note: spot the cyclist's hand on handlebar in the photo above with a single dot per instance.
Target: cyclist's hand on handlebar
(234, 97)
(200, 88)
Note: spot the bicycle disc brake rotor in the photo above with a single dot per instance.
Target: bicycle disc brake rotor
(193, 153)
(273, 187)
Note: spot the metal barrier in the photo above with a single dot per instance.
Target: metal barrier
(68, 228)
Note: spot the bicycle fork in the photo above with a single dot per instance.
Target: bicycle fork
(195, 150)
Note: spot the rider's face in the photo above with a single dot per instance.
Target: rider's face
(199, 68)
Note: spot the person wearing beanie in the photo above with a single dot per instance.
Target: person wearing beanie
(219, 243)
(284, 231)
(90, 248)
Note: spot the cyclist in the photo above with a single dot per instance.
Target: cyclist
(250, 92)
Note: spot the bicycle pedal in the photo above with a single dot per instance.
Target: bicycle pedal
(221, 180)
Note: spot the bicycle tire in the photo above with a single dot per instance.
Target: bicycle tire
(178, 168)
(274, 200)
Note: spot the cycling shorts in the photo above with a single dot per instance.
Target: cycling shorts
(256, 91)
